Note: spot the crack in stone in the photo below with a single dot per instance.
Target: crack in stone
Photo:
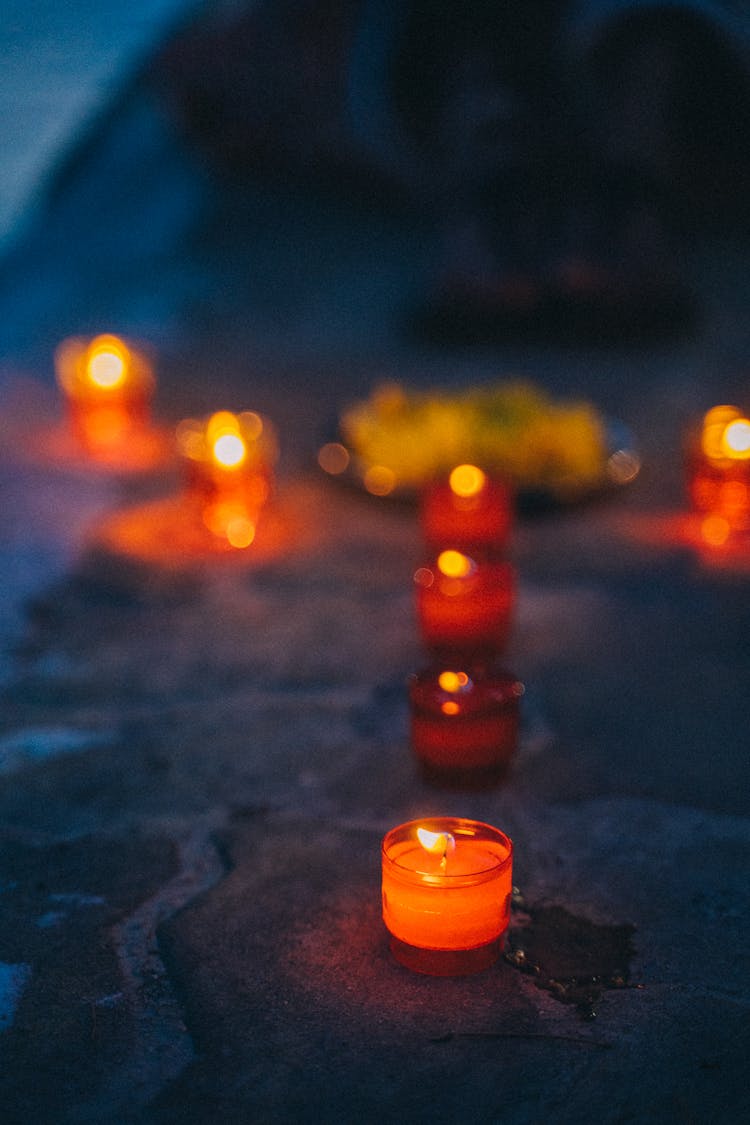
(162, 1045)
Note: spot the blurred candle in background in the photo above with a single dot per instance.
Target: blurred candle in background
(464, 728)
(446, 889)
(107, 386)
(469, 510)
(465, 606)
(718, 473)
(228, 462)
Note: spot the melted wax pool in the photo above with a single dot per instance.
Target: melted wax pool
(574, 959)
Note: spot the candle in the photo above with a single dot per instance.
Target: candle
(469, 510)
(228, 462)
(718, 473)
(446, 894)
(107, 385)
(465, 606)
(464, 729)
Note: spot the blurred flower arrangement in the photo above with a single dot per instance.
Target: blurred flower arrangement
(512, 428)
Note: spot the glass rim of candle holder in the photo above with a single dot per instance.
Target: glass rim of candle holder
(458, 827)
(460, 953)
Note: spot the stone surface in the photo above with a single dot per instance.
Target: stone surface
(199, 757)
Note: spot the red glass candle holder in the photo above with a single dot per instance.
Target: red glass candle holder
(718, 472)
(469, 510)
(228, 464)
(464, 729)
(108, 386)
(465, 607)
(446, 888)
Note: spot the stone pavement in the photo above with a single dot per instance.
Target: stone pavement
(198, 761)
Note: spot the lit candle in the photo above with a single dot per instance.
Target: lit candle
(465, 606)
(464, 729)
(228, 461)
(469, 510)
(108, 386)
(446, 894)
(719, 473)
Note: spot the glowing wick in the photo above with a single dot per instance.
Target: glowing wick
(454, 565)
(467, 480)
(229, 450)
(437, 843)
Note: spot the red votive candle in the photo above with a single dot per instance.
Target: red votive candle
(464, 729)
(447, 885)
(108, 386)
(718, 473)
(228, 467)
(469, 510)
(465, 606)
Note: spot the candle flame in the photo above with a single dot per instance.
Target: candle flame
(225, 441)
(454, 565)
(437, 843)
(715, 424)
(229, 450)
(735, 440)
(467, 480)
(107, 362)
